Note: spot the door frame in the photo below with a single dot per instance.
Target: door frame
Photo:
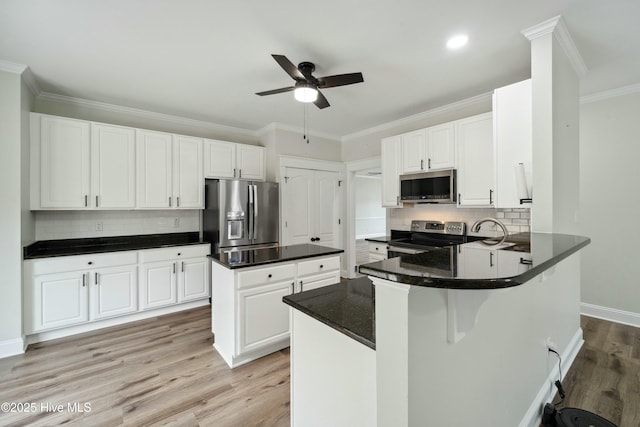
(352, 168)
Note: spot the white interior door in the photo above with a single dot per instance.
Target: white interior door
(326, 207)
(298, 206)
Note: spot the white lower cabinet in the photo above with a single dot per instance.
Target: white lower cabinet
(61, 292)
(249, 318)
(377, 251)
(113, 292)
(57, 300)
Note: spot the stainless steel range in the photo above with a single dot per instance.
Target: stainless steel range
(426, 235)
(436, 241)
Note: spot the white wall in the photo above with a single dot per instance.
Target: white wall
(609, 175)
(13, 161)
(371, 218)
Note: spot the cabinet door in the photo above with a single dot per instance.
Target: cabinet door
(193, 280)
(440, 147)
(478, 263)
(158, 284)
(512, 115)
(154, 175)
(188, 182)
(263, 317)
(58, 300)
(113, 291)
(112, 167)
(219, 159)
(251, 162)
(414, 151)
(64, 163)
(318, 281)
(391, 152)
(475, 160)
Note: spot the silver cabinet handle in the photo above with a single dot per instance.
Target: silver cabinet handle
(293, 287)
(182, 266)
(421, 164)
(84, 280)
(169, 201)
(239, 173)
(234, 172)
(429, 164)
(86, 200)
(178, 201)
(490, 259)
(96, 277)
(301, 286)
(490, 197)
(96, 201)
(174, 268)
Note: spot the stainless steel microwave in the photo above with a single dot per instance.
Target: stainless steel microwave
(429, 187)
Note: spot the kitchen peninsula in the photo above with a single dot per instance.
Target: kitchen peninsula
(248, 317)
(457, 342)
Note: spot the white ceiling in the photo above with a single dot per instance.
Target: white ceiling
(205, 59)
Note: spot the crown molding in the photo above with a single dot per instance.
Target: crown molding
(25, 71)
(85, 103)
(420, 116)
(608, 94)
(558, 28)
(271, 127)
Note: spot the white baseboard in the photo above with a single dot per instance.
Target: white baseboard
(11, 347)
(610, 314)
(533, 416)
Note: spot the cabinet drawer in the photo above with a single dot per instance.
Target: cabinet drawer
(81, 262)
(378, 248)
(266, 275)
(174, 252)
(318, 265)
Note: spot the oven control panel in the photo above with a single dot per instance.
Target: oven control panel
(442, 227)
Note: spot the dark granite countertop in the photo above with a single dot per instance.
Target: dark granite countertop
(348, 307)
(254, 257)
(478, 266)
(67, 247)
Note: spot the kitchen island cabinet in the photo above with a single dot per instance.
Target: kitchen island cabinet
(248, 317)
(451, 346)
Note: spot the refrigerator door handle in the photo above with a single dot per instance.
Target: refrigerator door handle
(251, 213)
(255, 210)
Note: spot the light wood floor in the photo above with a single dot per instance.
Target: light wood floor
(164, 371)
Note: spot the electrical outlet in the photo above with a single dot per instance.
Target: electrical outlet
(551, 345)
(176, 222)
(99, 226)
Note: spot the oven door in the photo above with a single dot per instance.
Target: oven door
(396, 251)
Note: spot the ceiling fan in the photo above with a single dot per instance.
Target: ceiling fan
(306, 86)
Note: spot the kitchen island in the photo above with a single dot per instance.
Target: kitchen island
(460, 339)
(248, 318)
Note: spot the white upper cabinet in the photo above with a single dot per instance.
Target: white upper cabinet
(414, 151)
(169, 170)
(474, 139)
(230, 160)
(154, 158)
(441, 147)
(428, 149)
(512, 114)
(391, 151)
(113, 175)
(251, 162)
(61, 150)
(188, 178)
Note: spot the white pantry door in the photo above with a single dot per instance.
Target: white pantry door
(311, 207)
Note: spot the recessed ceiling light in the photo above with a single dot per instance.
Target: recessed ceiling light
(458, 41)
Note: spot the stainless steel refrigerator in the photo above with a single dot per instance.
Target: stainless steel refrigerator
(240, 214)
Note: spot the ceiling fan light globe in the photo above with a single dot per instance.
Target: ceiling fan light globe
(305, 94)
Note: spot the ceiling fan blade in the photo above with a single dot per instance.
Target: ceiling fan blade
(274, 91)
(340, 80)
(321, 102)
(288, 66)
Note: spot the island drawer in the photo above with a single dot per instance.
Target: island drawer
(318, 265)
(378, 248)
(265, 275)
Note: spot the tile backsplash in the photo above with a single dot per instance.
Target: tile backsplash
(54, 225)
(516, 220)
